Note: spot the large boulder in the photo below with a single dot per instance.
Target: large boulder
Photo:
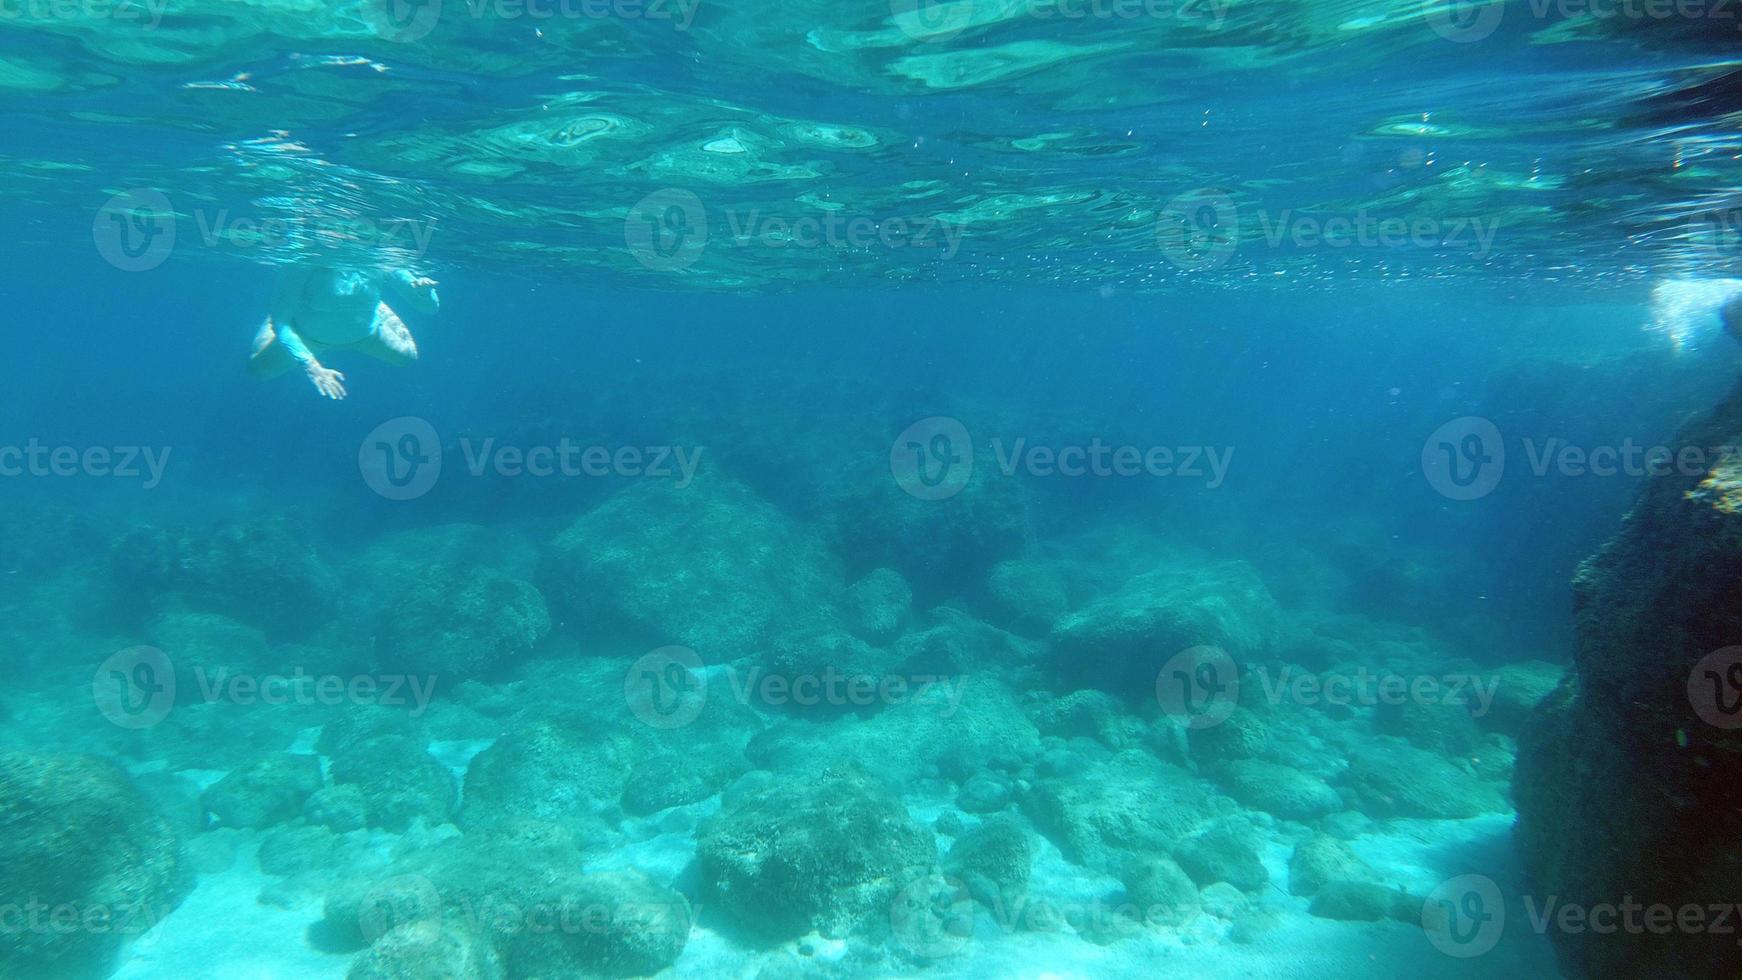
(79, 844)
(453, 602)
(940, 545)
(711, 566)
(509, 903)
(824, 851)
(1130, 806)
(1121, 642)
(1629, 776)
(264, 573)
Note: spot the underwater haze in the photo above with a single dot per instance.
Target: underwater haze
(557, 489)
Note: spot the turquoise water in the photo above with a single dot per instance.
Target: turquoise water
(984, 489)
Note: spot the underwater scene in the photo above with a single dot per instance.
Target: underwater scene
(1069, 489)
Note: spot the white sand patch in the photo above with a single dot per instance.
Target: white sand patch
(223, 932)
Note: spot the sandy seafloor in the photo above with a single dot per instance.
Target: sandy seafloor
(223, 931)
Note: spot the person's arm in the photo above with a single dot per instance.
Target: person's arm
(415, 291)
(287, 297)
(328, 382)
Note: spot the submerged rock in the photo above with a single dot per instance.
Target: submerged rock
(552, 772)
(268, 792)
(1121, 642)
(1277, 789)
(1320, 859)
(264, 573)
(514, 896)
(399, 780)
(448, 602)
(1131, 805)
(878, 605)
(994, 860)
(1161, 890)
(937, 544)
(1028, 595)
(1391, 778)
(428, 951)
(610, 924)
(824, 853)
(77, 839)
(711, 566)
(1518, 689)
(1226, 852)
(1629, 776)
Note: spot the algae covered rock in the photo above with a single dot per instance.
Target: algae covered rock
(1320, 859)
(667, 779)
(1391, 778)
(453, 602)
(1028, 595)
(428, 950)
(609, 924)
(400, 782)
(993, 860)
(1445, 729)
(79, 842)
(514, 896)
(937, 544)
(1162, 890)
(825, 852)
(711, 566)
(1518, 689)
(555, 772)
(877, 606)
(1121, 642)
(1131, 804)
(264, 573)
(265, 793)
(1227, 852)
(1277, 789)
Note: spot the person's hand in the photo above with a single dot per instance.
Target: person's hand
(328, 382)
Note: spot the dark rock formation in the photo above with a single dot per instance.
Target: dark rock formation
(1629, 776)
